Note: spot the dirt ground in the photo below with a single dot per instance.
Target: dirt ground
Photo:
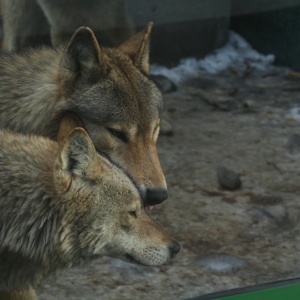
(248, 122)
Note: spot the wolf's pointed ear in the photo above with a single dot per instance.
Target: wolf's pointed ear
(137, 48)
(68, 122)
(77, 154)
(83, 56)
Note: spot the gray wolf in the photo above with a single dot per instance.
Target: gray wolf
(29, 22)
(63, 205)
(107, 88)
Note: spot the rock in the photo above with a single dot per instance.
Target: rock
(277, 213)
(228, 180)
(164, 84)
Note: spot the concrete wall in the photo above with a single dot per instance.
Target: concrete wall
(174, 11)
(190, 28)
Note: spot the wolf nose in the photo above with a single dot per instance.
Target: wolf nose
(174, 249)
(155, 196)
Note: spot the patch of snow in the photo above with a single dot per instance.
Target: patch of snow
(221, 263)
(236, 53)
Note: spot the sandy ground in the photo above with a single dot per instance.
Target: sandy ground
(248, 122)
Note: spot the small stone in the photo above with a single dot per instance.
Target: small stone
(163, 83)
(228, 179)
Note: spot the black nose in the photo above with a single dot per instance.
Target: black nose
(174, 249)
(155, 196)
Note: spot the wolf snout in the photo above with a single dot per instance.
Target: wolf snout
(174, 248)
(155, 196)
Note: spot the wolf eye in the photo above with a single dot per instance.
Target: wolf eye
(133, 213)
(118, 134)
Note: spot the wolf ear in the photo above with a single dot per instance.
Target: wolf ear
(68, 122)
(137, 48)
(83, 56)
(77, 154)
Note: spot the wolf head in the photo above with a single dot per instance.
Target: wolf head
(118, 105)
(104, 214)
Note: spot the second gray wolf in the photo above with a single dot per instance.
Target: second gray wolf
(63, 205)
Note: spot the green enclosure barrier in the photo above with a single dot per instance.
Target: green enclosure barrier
(280, 290)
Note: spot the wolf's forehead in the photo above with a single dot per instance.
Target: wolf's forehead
(121, 102)
(136, 87)
(140, 99)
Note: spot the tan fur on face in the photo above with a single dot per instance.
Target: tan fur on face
(150, 171)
